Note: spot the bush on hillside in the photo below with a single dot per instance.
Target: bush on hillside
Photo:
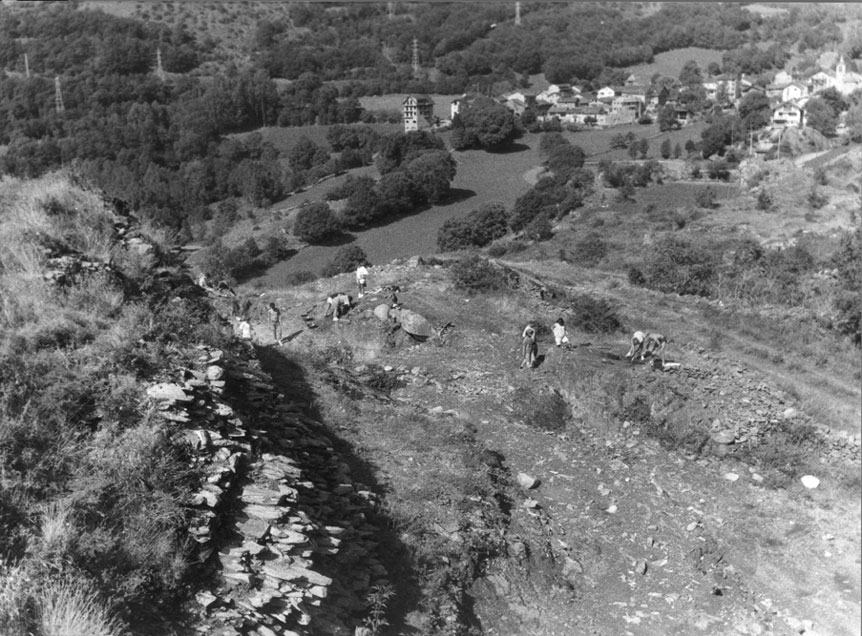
(539, 229)
(588, 250)
(593, 315)
(678, 265)
(475, 274)
(346, 259)
(705, 198)
(477, 229)
(315, 223)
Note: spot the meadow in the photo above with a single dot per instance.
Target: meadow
(482, 177)
(670, 63)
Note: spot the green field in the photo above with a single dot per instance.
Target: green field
(670, 63)
(482, 177)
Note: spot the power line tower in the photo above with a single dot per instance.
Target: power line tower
(58, 96)
(390, 10)
(517, 14)
(26, 66)
(416, 67)
(160, 72)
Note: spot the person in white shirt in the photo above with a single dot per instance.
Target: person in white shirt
(529, 348)
(361, 278)
(637, 345)
(560, 335)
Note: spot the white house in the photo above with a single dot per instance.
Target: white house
(788, 114)
(606, 93)
(793, 91)
(417, 112)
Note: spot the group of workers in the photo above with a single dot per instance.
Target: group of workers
(642, 344)
(339, 303)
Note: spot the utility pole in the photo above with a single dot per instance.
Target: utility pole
(416, 67)
(58, 96)
(517, 14)
(160, 72)
(26, 66)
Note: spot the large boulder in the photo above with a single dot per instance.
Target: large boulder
(382, 312)
(416, 325)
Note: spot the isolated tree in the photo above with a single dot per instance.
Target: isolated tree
(754, 111)
(483, 124)
(431, 173)
(315, 223)
(643, 147)
(667, 118)
(665, 149)
(346, 259)
(677, 151)
(565, 159)
(690, 74)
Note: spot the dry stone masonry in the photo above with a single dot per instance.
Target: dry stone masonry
(283, 531)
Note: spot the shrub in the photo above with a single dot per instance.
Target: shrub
(594, 315)
(346, 259)
(817, 199)
(589, 250)
(299, 278)
(315, 223)
(476, 274)
(539, 229)
(677, 265)
(478, 229)
(764, 200)
(705, 198)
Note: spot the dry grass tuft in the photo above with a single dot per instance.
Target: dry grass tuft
(71, 608)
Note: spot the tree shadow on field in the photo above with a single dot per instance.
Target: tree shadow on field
(509, 149)
(342, 237)
(383, 543)
(459, 194)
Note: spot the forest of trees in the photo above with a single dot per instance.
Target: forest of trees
(162, 145)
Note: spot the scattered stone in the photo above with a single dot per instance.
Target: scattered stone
(530, 503)
(259, 511)
(723, 437)
(692, 526)
(528, 482)
(731, 476)
(641, 567)
(757, 477)
(810, 481)
(612, 509)
(790, 413)
(168, 391)
(206, 599)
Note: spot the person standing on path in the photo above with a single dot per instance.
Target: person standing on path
(529, 348)
(361, 279)
(274, 316)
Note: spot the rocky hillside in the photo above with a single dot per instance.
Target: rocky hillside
(165, 476)
(588, 493)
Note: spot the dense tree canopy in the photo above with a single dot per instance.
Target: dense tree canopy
(483, 124)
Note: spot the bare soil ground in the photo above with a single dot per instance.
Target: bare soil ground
(625, 533)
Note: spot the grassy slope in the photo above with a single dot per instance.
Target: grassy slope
(669, 63)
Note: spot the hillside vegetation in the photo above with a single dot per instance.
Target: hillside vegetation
(93, 498)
